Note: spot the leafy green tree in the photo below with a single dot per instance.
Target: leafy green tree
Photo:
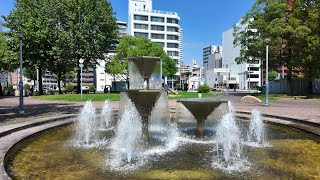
(91, 29)
(29, 17)
(57, 33)
(293, 30)
(129, 47)
(6, 57)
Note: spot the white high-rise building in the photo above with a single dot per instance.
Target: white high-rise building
(242, 75)
(159, 26)
(208, 50)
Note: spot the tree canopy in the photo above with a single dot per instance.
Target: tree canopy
(57, 33)
(130, 46)
(292, 28)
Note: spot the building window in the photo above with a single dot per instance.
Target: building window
(141, 34)
(253, 76)
(172, 37)
(160, 43)
(141, 26)
(140, 18)
(157, 36)
(157, 19)
(157, 28)
(101, 79)
(172, 45)
(172, 29)
(253, 68)
(172, 21)
(173, 53)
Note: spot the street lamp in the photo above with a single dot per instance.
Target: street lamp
(81, 66)
(249, 77)
(21, 110)
(267, 41)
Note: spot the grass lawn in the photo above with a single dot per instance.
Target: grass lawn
(183, 95)
(76, 97)
(111, 97)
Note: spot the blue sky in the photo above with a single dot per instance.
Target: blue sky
(203, 21)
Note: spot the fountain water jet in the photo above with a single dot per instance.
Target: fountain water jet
(228, 147)
(127, 140)
(106, 115)
(86, 125)
(256, 132)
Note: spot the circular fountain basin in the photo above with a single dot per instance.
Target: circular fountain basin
(291, 154)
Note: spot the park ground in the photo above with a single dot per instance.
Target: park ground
(40, 107)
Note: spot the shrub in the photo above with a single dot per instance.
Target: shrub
(36, 93)
(69, 88)
(204, 89)
(92, 88)
(26, 86)
(272, 75)
(8, 88)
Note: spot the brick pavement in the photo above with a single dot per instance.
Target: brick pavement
(302, 108)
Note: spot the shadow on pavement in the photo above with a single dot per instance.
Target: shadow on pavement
(9, 113)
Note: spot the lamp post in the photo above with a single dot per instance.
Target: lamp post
(81, 66)
(21, 110)
(267, 41)
(249, 71)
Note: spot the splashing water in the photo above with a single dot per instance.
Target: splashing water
(256, 133)
(127, 142)
(86, 125)
(228, 147)
(106, 115)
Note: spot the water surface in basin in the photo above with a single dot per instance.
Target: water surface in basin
(291, 154)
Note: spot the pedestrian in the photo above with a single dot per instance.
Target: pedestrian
(234, 88)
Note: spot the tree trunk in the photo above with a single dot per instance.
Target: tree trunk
(59, 84)
(40, 81)
(1, 93)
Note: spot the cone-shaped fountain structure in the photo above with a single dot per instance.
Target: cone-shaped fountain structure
(141, 93)
(146, 66)
(201, 109)
(144, 101)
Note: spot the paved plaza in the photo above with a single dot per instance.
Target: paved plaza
(288, 107)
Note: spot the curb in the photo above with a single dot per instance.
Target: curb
(13, 135)
(305, 121)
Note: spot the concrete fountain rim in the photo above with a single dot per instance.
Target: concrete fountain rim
(21, 134)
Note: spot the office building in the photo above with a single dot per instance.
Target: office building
(209, 50)
(158, 26)
(243, 75)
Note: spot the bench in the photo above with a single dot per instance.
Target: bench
(299, 97)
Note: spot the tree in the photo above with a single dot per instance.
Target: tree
(130, 46)
(29, 17)
(6, 57)
(57, 33)
(293, 29)
(92, 31)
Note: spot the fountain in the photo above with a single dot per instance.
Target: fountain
(256, 133)
(201, 109)
(146, 144)
(142, 93)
